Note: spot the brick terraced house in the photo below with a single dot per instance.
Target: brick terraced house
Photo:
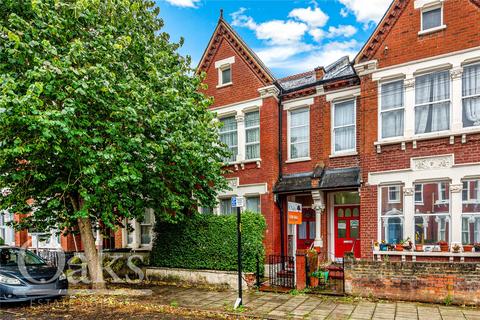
(382, 148)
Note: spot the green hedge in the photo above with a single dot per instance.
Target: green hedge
(209, 242)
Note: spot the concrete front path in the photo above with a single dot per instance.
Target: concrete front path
(286, 306)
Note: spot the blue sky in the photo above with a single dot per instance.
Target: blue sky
(290, 36)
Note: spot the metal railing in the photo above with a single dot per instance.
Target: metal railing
(281, 271)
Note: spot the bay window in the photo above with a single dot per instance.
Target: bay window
(344, 126)
(300, 133)
(471, 95)
(252, 133)
(471, 211)
(228, 136)
(432, 218)
(392, 217)
(432, 102)
(392, 109)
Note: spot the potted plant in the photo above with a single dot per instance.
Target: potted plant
(383, 246)
(419, 247)
(467, 247)
(407, 244)
(376, 246)
(399, 246)
(443, 246)
(456, 248)
(476, 246)
(321, 275)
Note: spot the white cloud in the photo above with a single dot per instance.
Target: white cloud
(287, 46)
(275, 32)
(344, 12)
(277, 55)
(367, 12)
(346, 31)
(281, 32)
(313, 17)
(184, 3)
(317, 34)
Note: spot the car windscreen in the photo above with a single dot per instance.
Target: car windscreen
(12, 257)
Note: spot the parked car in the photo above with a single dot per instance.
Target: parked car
(24, 276)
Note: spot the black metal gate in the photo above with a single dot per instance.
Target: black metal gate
(327, 279)
(281, 271)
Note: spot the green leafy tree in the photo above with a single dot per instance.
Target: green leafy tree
(100, 118)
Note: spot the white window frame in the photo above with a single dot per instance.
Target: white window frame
(221, 66)
(438, 215)
(381, 215)
(415, 192)
(234, 156)
(332, 133)
(254, 196)
(429, 8)
(441, 190)
(380, 112)
(469, 97)
(415, 105)
(397, 190)
(225, 198)
(150, 225)
(252, 128)
(289, 134)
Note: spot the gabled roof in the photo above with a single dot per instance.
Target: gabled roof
(225, 32)
(382, 30)
(397, 7)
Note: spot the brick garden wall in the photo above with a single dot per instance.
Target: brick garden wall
(437, 282)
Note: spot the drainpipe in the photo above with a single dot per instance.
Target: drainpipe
(280, 171)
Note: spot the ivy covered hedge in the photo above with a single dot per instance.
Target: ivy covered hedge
(209, 242)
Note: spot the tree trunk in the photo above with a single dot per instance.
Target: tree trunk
(91, 253)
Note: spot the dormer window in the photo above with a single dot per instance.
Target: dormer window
(224, 68)
(431, 16)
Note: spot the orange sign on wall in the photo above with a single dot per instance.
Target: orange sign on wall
(294, 213)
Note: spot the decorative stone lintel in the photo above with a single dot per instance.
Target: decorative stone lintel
(366, 68)
(318, 201)
(456, 188)
(408, 192)
(409, 83)
(436, 162)
(269, 91)
(240, 117)
(456, 73)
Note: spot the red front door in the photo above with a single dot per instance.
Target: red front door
(347, 230)
(306, 230)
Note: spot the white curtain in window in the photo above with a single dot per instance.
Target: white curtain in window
(432, 111)
(300, 133)
(344, 126)
(253, 204)
(252, 130)
(228, 136)
(392, 109)
(471, 94)
(302, 231)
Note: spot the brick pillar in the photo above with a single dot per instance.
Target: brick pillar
(119, 239)
(300, 270)
(21, 237)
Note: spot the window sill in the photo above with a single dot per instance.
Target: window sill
(298, 160)
(224, 85)
(427, 136)
(432, 30)
(426, 254)
(344, 154)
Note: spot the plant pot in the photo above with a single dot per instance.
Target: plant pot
(444, 248)
(467, 248)
(477, 249)
(383, 247)
(314, 282)
(419, 247)
(398, 247)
